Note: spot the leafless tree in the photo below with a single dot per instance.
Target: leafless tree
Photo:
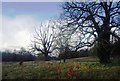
(62, 45)
(44, 39)
(61, 41)
(95, 21)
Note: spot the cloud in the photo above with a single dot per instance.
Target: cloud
(18, 31)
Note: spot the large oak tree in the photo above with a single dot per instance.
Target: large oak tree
(96, 21)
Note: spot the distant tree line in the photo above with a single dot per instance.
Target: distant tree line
(21, 55)
(74, 54)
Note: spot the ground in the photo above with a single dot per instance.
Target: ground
(78, 68)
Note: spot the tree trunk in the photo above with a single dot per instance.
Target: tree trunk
(104, 47)
(64, 60)
(46, 57)
(64, 57)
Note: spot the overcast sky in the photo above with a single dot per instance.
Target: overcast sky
(19, 20)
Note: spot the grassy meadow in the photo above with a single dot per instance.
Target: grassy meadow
(78, 68)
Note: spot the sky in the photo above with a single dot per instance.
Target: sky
(19, 20)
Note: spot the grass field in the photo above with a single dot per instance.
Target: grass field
(78, 68)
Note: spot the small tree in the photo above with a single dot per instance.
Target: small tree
(62, 41)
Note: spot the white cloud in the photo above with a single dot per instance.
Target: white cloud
(17, 32)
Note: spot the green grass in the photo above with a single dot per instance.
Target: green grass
(79, 68)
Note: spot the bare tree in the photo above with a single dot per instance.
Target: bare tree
(62, 45)
(44, 39)
(66, 42)
(95, 22)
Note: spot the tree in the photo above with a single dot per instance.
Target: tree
(44, 39)
(64, 51)
(62, 41)
(95, 22)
